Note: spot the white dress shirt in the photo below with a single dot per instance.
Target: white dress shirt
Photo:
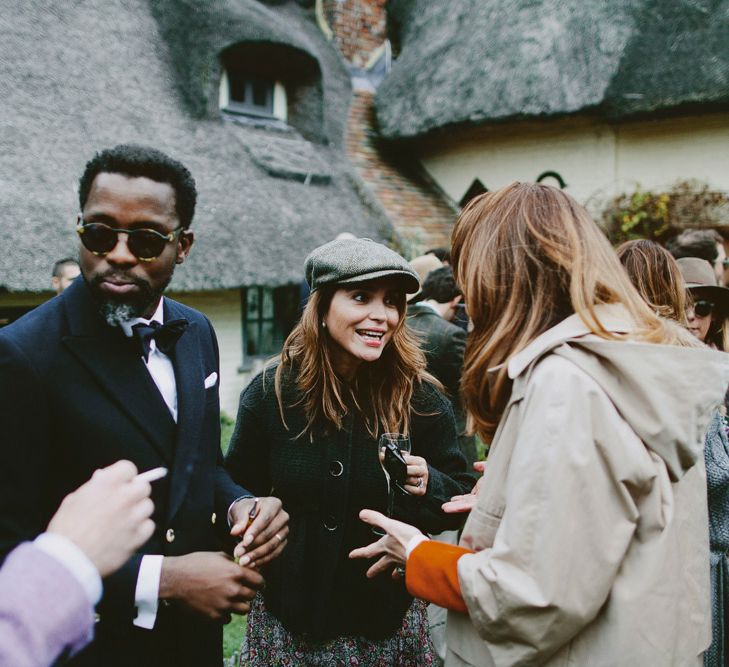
(159, 365)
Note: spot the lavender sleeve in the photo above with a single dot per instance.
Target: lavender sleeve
(44, 610)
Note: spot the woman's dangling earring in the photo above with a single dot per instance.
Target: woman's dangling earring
(323, 324)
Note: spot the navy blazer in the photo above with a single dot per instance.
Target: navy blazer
(75, 396)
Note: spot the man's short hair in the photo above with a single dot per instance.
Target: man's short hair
(696, 243)
(440, 285)
(443, 254)
(62, 264)
(143, 161)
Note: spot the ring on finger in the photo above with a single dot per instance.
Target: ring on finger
(400, 571)
(420, 482)
(280, 539)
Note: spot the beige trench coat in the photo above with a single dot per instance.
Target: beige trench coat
(590, 529)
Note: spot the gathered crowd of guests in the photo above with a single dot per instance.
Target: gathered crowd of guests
(347, 519)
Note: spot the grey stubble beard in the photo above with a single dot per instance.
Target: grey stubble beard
(116, 313)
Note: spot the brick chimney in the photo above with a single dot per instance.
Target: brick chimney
(420, 212)
(359, 28)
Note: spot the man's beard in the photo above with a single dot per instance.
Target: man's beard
(116, 311)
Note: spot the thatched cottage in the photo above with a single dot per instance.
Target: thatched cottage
(592, 95)
(249, 95)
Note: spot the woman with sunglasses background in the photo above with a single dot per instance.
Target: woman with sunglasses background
(707, 311)
(708, 306)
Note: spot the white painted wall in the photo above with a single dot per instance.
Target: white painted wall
(597, 160)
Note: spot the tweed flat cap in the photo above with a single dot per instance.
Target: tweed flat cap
(354, 261)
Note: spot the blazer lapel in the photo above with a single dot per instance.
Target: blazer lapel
(189, 378)
(108, 356)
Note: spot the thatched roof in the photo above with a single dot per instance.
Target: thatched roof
(81, 76)
(480, 61)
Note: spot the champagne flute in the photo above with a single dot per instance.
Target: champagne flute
(391, 450)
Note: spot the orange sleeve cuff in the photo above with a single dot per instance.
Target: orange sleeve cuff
(432, 574)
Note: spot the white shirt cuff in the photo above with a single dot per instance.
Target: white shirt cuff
(74, 560)
(146, 595)
(414, 541)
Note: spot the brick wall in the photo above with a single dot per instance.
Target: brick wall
(359, 27)
(417, 209)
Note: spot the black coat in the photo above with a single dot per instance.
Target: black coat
(76, 396)
(444, 345)
(314, 587)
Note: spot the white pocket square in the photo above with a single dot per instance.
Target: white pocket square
(211, 379)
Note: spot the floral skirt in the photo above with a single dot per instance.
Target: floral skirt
(268, 644)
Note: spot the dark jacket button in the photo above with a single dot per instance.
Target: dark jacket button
(330, 523)
(336, 468)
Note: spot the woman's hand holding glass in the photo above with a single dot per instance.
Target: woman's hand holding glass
(416, 482)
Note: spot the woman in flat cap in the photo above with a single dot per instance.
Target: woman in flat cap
(308, 431)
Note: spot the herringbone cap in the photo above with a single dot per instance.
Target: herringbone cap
(354, 261)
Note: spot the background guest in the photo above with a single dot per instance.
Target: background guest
(707, 315)
(422, 265)
(705, 244)
(64, 272)
(443, 343)
(657, 277)
(709, 304)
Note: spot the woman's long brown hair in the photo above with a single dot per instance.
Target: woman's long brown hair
(381, 390)
(655, 274)
(526, 257)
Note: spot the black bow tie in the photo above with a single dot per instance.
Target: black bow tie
(164, 335)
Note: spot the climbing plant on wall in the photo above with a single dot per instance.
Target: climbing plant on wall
(646, 214)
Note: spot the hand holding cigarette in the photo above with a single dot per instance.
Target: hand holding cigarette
(108, 517)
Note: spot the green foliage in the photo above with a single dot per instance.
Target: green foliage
(642, 215)
(660, 215)
(234, 631)
(232, 637)
(226, 430)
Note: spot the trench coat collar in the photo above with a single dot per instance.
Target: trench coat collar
(614, 317)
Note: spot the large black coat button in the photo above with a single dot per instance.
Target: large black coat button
(336, 468)
(330, 523)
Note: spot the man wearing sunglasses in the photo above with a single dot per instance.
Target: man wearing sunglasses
(109, 370)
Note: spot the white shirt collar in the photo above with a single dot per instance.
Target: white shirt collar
(158, 316)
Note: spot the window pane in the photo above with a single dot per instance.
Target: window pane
(267, 303)
(252, 343)
(253, 310)
(237, 88)
(260, 93)
(268, 345)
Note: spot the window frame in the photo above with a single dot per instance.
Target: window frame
(284, 302)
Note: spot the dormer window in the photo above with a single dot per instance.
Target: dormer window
(272, 85)
(250, 95)
(254, 96)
